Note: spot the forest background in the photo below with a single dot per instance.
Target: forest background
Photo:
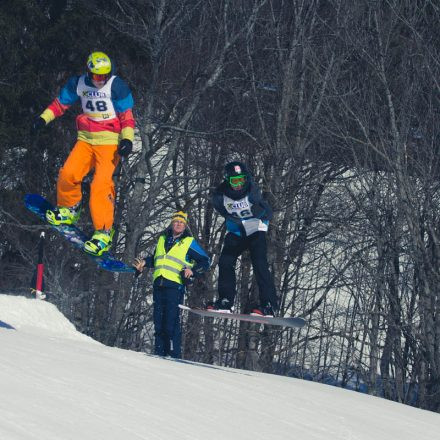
(334, 105)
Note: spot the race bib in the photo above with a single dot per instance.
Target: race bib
(96, 103)
(242, 210)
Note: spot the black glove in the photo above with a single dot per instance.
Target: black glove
(257, 211)
(125, 147)
(186, 281)
(38, 124)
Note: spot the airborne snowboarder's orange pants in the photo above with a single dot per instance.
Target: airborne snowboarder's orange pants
(83, 158)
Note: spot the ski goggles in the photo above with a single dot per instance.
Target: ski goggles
(236, 181)
(99, 77)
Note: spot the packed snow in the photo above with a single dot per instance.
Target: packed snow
(57, 384)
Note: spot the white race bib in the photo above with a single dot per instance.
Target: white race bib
(242, 210)
(238, 208)
(96, 103)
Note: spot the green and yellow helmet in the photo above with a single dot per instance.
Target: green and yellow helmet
(99, 63)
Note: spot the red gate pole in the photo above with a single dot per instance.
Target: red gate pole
(40, 268)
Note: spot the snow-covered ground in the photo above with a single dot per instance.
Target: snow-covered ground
(57, 384)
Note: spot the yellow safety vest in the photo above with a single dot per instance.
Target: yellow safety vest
(169, 265)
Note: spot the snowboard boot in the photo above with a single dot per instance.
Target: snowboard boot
(100, 242)
(221, 305)
(63, 216)
(266, 310)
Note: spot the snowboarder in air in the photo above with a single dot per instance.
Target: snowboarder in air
(247, 215)
(105, 133)
(177, 258)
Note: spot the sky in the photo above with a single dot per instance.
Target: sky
(58, 384)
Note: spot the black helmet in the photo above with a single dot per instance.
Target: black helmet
(236, 174)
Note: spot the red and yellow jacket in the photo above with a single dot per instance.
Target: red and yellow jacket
(107, 112)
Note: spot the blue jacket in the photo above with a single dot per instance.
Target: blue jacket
(121, 94)
(259, 208)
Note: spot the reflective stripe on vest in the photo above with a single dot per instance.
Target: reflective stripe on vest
(169, 265)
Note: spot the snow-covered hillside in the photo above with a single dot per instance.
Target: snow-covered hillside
(56, 384)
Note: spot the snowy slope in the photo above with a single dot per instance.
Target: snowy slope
(56, 384)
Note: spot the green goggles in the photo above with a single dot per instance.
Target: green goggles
(236, 181)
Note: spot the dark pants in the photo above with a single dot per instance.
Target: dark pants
(166, 315)
(233, 247)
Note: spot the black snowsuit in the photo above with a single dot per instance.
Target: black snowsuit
(247, 217)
